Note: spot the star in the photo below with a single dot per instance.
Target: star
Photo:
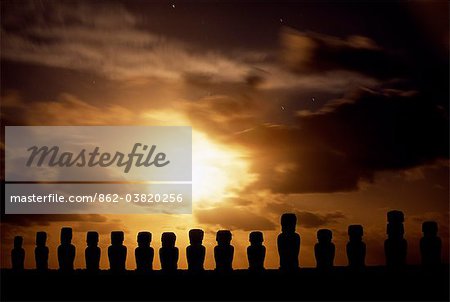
(281, 20)
(313, 99)
(173, 5)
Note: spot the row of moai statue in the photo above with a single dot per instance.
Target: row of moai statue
(288, 248)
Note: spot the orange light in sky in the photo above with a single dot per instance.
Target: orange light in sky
(218, 171)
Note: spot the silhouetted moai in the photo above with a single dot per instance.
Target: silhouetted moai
(18, 254)
(144, 253)
(117, 252)
(224, 251)
(324, 250)
(356, 248)
(66, 251)
(195, 252)
(288, 243)
(395, 246)
(430, 244)
(92, 252)
(168, 253)
(256, 252)
(41, 251)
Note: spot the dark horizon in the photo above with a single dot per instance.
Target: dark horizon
(290, 282)
(429, 228)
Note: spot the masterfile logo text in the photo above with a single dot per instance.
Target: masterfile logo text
(100, 169)
(98, 153)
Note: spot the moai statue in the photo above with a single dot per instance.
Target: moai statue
(168, 253)
(288, 243)
(195, 252)
(430, 245)
(356, 248)
(324, 250)
(224, 251)
(41, 251)
(395, 246)
(117, 252)
(66, 250)
(92, 252)
(256, 252)
(144, 253)
(18, 254)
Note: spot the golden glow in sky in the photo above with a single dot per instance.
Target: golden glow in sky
(217, 171)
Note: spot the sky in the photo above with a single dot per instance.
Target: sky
(336, 111)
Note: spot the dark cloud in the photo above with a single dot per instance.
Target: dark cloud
(314, 220)
(234, 218)
(347, 141)
(35, 33)
(305, 218)
(313, 52)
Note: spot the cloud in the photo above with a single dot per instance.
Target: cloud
(331, 149)
(116, 46)
(111, 44)
(309, 219)
(347, 141)
(68, 109)
(234, 218)
(306, 52)
(314, 220)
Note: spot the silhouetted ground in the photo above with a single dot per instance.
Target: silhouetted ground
(375, 283)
